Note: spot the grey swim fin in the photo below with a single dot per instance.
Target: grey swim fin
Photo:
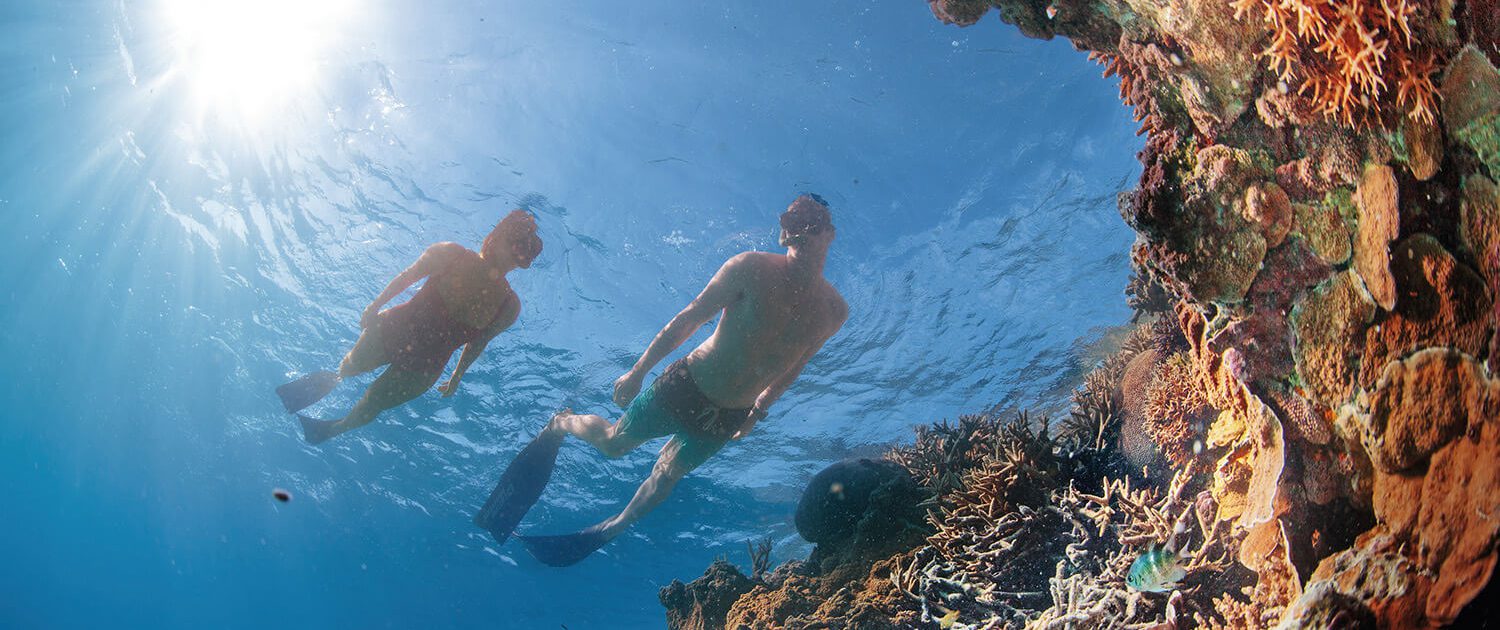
(520, 486)
(303, 392)
(566, 549)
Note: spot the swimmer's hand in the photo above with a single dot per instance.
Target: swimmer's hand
(369, 317)
(626, 388)
(756, 415)
(449, 388)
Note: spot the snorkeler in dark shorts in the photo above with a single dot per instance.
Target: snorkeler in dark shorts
(777, 311)
(464, 303)
(673, 405)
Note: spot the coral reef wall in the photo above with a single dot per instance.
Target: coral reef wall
(1319, 191)
(1304, 423)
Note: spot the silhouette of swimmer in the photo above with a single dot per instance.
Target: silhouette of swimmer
(465, 302)
(778, 310)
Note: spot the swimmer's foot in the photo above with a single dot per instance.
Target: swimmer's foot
(566, 549)
(520, 485)
(303, 392)
(553, 427)
(317, 431)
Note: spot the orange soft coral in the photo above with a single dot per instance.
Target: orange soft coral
(1351, 57)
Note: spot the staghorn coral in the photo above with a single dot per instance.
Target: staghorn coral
(943, 452)
(1349, 58)
(1146, 295)
(760, 558)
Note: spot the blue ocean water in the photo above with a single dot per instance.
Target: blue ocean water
(188, 224)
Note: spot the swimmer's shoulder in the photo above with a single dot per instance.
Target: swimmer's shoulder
(448, 251)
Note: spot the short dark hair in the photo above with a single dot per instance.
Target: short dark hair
(801, 219)
(518, 229)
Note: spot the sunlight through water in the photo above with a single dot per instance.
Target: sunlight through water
(248, 58)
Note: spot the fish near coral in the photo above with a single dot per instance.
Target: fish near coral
(946, 621)
(1156, 571)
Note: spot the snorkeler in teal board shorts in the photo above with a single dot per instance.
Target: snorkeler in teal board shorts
(778, 311)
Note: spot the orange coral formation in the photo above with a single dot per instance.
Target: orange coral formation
(1434, 432)
(1350, 56)
(1443, 303)
(1379, 222)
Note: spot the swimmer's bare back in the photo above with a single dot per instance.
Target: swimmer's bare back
(774, 321)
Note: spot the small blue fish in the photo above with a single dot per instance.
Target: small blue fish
(1156, 571)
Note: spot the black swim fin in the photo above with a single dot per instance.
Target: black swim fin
(303, 392)
(566, 549)
(520, 486)
(316, 431)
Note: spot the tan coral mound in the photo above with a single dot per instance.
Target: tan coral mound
(1327, 324)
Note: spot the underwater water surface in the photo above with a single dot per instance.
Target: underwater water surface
(200, 198)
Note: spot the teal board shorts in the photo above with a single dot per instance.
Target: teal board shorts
(674, 406)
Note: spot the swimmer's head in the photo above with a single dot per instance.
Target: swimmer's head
(514, 239)
(807, 222)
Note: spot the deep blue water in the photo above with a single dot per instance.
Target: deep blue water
(175, 246)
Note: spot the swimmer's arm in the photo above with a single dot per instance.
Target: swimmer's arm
(725, 287)
(473, 349)
(773, 392)
(431, 260)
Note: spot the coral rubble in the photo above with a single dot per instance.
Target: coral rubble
(1306, 411)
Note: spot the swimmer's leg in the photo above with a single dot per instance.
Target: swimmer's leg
(612, 440)
(393, 388)
(679, 457)
(526, 477)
